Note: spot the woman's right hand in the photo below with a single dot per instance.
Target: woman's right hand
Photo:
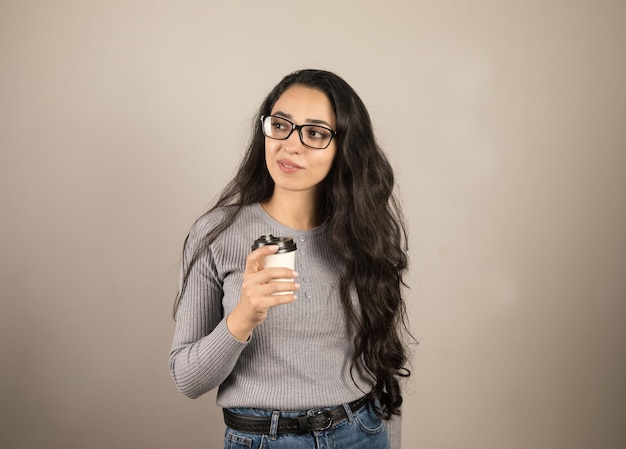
(257, 293)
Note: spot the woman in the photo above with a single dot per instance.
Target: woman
(320, 362)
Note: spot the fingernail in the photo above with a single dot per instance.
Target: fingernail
(295, 273)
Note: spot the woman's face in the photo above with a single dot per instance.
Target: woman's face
(292, 165)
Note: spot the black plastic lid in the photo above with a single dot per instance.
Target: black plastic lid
(285, 244)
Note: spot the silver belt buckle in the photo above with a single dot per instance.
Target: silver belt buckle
(329, 415)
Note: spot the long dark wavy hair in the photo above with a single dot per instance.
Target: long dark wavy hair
(364, 221)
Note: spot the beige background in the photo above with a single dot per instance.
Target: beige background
(120, 121)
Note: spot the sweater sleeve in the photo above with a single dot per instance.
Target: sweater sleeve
(394, 430)
(203, 351)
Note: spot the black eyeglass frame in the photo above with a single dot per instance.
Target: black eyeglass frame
(299, 128)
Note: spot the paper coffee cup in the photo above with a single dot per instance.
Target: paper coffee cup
(285, 256)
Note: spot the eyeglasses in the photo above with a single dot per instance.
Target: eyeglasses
(312, 136)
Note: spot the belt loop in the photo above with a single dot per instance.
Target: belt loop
(274, 425)
(349, 413)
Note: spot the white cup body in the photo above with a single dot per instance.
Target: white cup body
(286, 260)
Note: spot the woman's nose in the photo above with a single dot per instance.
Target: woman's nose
(293, 144)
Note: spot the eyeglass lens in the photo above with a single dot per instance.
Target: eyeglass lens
(311, 135)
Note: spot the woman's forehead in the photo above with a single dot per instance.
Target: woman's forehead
(305, 104)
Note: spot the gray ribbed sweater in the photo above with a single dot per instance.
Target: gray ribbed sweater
(298, 359)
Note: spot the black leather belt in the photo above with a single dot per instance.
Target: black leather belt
(321, 420)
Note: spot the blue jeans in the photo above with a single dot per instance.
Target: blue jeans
(362, 429)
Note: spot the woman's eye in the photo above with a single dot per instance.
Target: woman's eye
(280, 124)
(318, 133)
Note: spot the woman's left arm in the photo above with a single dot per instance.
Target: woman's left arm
(394, 430)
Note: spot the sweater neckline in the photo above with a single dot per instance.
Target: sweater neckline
(286, 229)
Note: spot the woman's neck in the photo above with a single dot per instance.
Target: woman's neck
(296, 210)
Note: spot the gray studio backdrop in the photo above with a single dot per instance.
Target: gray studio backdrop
(121, 120)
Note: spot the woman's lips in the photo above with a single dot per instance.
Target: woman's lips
(287, 166)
